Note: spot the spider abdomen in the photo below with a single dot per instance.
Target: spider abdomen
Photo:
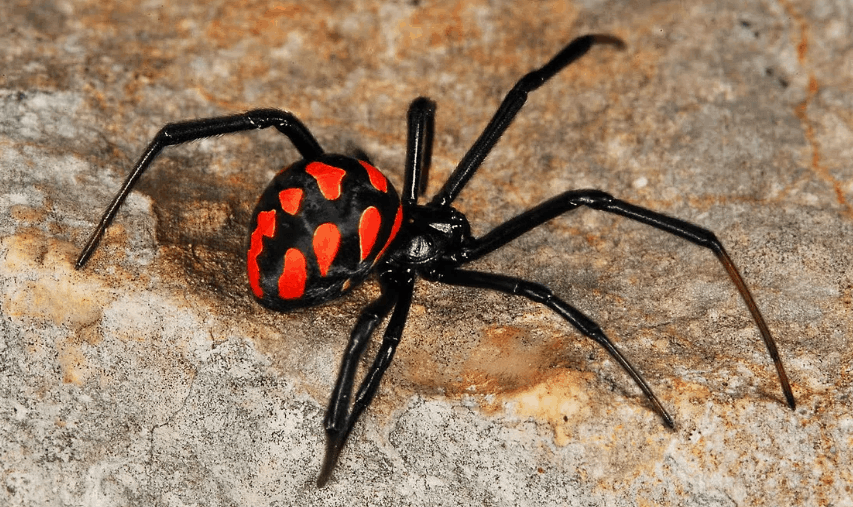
(318, 229)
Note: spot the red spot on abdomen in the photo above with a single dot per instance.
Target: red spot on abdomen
(327, 240)
(377, 179)
(328, 179)
(290, 199)
(265, 227)
(291, 283)
(368, 229)
(398, 221)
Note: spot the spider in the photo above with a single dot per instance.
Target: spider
(326, 222)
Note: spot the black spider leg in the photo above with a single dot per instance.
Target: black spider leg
(508, 109)
(338, 422)
(603, 201)
(542, 294)
(421, 121)
(182, 132)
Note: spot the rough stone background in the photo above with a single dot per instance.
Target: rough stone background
(151, 377)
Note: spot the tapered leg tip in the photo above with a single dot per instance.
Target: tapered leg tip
(322, 479)
(601, 38)
(334, 444)
(789, 396)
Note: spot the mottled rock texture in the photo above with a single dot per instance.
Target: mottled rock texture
(152, 378)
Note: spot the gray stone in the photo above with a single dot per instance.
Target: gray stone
(150, 377)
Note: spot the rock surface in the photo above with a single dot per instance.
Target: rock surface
(151, 378)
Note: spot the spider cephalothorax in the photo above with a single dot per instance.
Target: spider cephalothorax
(327, 221)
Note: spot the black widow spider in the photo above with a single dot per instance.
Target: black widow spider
(324, 223)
